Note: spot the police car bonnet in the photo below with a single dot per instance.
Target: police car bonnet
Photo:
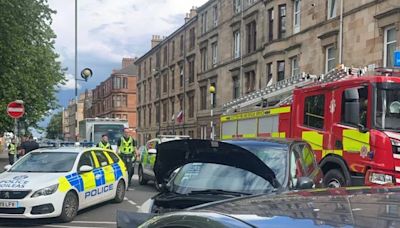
(174, 154)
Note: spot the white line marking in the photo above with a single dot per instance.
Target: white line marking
(131, 189)
(60, 226)
(138, 207)
(131, 202)
(94, 222)
(125, 198)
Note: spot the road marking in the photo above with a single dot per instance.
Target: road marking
(60, 226)
(131, 189)
(94, 222)
(138, 207)
(129, 201)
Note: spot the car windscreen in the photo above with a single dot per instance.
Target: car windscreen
(209, 176)
(45, 162)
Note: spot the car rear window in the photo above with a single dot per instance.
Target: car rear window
(113, 157)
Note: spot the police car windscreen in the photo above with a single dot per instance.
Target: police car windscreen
(45, 162)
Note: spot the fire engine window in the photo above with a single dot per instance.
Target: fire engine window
(314, 111)
(354, 106)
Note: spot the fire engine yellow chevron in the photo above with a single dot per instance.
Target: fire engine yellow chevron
(314, 138)
(63, 184)
(353, 140)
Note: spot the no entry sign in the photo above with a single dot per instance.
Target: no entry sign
(15, 109)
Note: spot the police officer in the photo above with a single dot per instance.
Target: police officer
(104, 143)
(12, 150)
(127, 150)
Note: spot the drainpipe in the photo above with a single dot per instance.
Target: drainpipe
(341, 33)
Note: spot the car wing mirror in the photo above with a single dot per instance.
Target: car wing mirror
(304, 183)
(152, 151)
(7, 167)
(85, 169)
(362, 128)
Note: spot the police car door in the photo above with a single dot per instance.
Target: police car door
(104, 176)
(88, 179)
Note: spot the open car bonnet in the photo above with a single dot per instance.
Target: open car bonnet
(174, 154)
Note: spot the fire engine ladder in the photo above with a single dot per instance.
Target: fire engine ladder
(284, 88)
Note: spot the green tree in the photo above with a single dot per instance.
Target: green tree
(54, 128)
(29, 69)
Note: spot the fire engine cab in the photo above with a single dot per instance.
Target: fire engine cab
(350, 117)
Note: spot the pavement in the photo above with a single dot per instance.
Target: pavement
(99, 216)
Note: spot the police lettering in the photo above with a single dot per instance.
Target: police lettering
(98, 191)
(13, 183)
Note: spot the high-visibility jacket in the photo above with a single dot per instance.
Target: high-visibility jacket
(104, 145)
(126, 146)
(13, 149)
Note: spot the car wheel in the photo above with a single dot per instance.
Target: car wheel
(142, 179)
(69, 207)
(120, 192)
(334, 179)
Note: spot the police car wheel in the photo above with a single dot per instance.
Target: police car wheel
(69, 208)
(120, 192)
(142, 180)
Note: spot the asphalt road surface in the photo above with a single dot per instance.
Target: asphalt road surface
(103, 215)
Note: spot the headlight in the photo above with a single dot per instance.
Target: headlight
(45, 191)
(380, 178)
(395, 142)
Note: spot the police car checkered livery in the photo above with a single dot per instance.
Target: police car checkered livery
(60, 182)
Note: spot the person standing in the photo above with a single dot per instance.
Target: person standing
(104, 143)
(29, 145)
(127, 150)
(12, 150)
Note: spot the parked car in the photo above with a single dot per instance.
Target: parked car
(333, 207)
(148, 155)
(193, 172)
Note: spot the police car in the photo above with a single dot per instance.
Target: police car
(59, 182)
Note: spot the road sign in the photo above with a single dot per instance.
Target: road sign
(16, 109)
(397, 58)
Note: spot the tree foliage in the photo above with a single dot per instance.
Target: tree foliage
(54, 128)
(29, 69)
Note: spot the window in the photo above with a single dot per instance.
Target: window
(269, 74)
(296, 16)
(173, 108)
(270, 24)
(165, 58)
(354, 106)
(282, 21)
(191, 70)
(150, 89)
(204, 22)
(237, 6)
(203, 132)
(215, 15)
(281, 70)
(314, 111)
(191, 106)
(181, 102)
(140, 70)
(181, 45)
(173, 78)
(250, 81)
(150, 66)
(330, 55)
(331, 9)
(295, 66)
(103, 161)
(214, 50)
(236, 44)
(158, 112)
(173, 50)
(113, 157)
(118, 83)
(203, 53)
(251, 36)
(236, 87)
(192, 38)
(139, 94)
(390, 44)
(214, 96)
(165, 111)
(158, 86)
(203, 97)
(165, 83)
(158, 60)
(191, 133)
(145, 69)
(86, 159)
(181, 76)
(150, 115)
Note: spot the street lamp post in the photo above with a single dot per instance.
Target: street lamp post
(212, 93)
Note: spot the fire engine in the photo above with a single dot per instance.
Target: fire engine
(350, 117)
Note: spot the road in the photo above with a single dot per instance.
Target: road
(98, 216)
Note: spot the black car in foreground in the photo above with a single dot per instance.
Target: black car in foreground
(205, 171)
(376, 207)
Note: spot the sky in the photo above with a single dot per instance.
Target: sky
(109, 30)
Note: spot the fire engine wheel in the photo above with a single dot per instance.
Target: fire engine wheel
(334, 179)
(142, 180)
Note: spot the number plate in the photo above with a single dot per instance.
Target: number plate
(10, 204)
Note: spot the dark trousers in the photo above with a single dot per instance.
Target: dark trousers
(128, 163)
(11, 159)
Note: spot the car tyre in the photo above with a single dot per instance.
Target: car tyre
(142, 179)
(69, 207)
(334, 179)
(120, 192)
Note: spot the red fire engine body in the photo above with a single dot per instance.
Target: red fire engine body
(352, 124)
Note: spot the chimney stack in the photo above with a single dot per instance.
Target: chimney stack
(127, 62)
(155, 40)
(193, 12)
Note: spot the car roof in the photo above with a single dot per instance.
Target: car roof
(64, 149)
